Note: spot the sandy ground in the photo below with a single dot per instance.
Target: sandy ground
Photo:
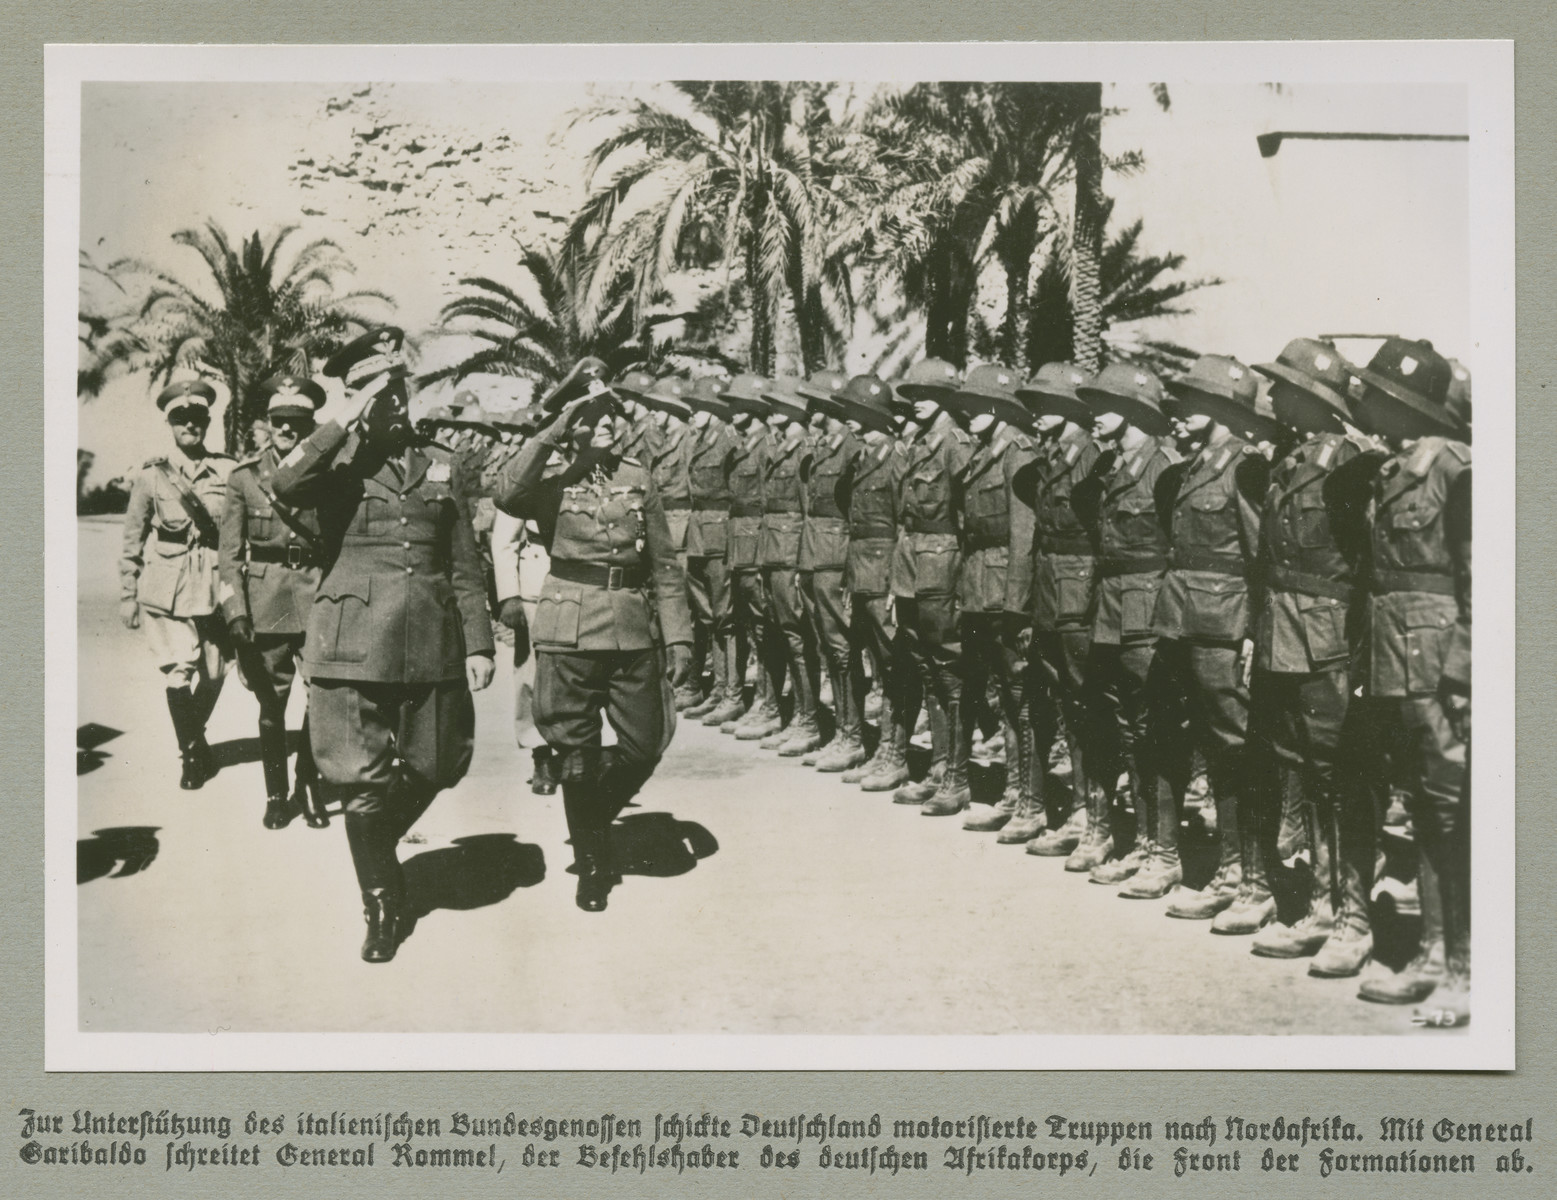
(777, 901)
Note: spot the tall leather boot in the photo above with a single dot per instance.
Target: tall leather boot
(1253, 906)
(858, 774)
(1448, 1007)
(719, 670)
(940, 754)
(279, 810)
(1029, 819)
(1061, 841)
(581, 803)
(952, 796)
(763, 718)
(1144, 802)
(181, 711)
(890, 771)
(1417, 980)
(1097, 843)
(805, 732)
(306, 795)
(1163, 870)
(847, 749)
(999, 815)
(733, 707)
(543, 774)
(1308, 934)
(382, 881)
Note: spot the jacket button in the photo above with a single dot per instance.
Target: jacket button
(407, 545)
(409, 571)
(405, 520)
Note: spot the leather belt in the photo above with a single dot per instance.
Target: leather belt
(180, 538)
(701, 504)
(675, 505)
(294, 556)
(1189, 558)
(1306, 583)
(914, 526)
(1439, 583)
(605, 575)
(872, 531)
(1138, 564)
(737, 509)
(987, 541)
(1067, 546)
(780, 510)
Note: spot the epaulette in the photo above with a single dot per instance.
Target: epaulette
(631, 461)
(160, 460)
(1072, 453)
(1460, 451)
(217, 454)
(961, 434)
(1422, 456)
(1170, 453)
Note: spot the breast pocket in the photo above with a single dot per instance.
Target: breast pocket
(1072, 588)
(1324, 628)
(342, 622)
(261, 523)
(1135, 520)
(1216, 607)
(557, 615)
(1427, 623)
(1413, 536)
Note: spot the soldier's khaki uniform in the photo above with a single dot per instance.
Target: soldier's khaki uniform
(869, 493)
(782, 523)
(749, 604)
(710, 462)
(270, 569)
(824, 553)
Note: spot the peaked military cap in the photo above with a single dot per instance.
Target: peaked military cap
(1406, 391)
(991, 388)
(369, 356)
(783, 394)
(744, 393)
(1053, 391)
(1135, 393)
(707, 395)
(186, 392)
(930, 379)
(292, 393)
(1221, 388)
(1321, 378)
(822, 389)
(586, 378)
(868, 400)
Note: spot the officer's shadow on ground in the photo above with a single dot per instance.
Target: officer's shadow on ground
(473, 872)
(658, 845)
(130, 848)
(89, 738)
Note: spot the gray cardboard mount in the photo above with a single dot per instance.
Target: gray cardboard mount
(1525, 1094)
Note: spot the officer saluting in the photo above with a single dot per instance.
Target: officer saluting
(168, 570)
(399, 634)
(598, 632)
(270, 572)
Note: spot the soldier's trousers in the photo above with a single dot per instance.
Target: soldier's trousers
(1217, 706)
(749, 614)
(708, 590)
(368, 737)
(871, 635)
(267, 668)
(786, 609)
(190, 652)
(1056, 688)
(821, 593)
(1137, 694)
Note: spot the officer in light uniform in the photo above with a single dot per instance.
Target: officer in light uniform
(710, 462)
(270, 567)
(400, 634)
(669, 463)
(612, 610)
(168, 571)
(753, 635)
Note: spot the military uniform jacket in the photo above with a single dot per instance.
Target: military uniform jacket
(824, 538)
(868, 493)
(997, 528)
(269, 556)
(1311, 536)
(783, 501)
(401, 599)
(746, 471)
(1418, 576)
(1205, 595)
(669, 465)
(928, 507)
(710, 461)
(1064, 553)
(642, 436)
(167, 564)
(1132, 539)
(603, 524)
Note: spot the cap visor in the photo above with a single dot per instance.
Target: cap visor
(939, 392)
(1142, 416)
(1221, 409)
(1387, 412)
(1307, 383)
(871, 418)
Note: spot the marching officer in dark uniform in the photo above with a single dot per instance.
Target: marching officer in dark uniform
(1133, 690)
(824, 553)
(869, 496)
(710, 462)
(927, 566)
(168, 574)
(1313, 537)
(613, 602)
(994, 593)
(1204, 618)
(752, 635)
(399, 635)
(1064, 599)
(783, 521)
(1418, 634)
(270, 566)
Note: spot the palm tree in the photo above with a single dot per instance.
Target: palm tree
(977, 166)
(752, 182)
(1131, 286)
(246, 318)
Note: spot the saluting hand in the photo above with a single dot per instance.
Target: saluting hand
(351, 404)
(478, 671)
(130, 614)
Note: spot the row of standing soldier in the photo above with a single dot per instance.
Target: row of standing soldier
(1043, 542)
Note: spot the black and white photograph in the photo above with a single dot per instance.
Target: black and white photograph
(839, 556)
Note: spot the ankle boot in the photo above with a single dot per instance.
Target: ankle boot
(1448, 1007)
(543, 775)
(1416, 981)
(381, 908)
(1029, 819)
(1097, 843)
(1253, 906)
(1201, 905)
(733, 707)
(719, 690)
(999, 815)
(857, 774)
(891, 769)
(1350, 944)
(1120, 869)
(847, 749)
(1058, 843)
(933, 715)
(952, 796)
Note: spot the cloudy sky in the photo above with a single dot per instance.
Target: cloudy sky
(424, 183)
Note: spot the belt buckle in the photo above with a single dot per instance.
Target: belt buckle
(294, 556)
(613, 578)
